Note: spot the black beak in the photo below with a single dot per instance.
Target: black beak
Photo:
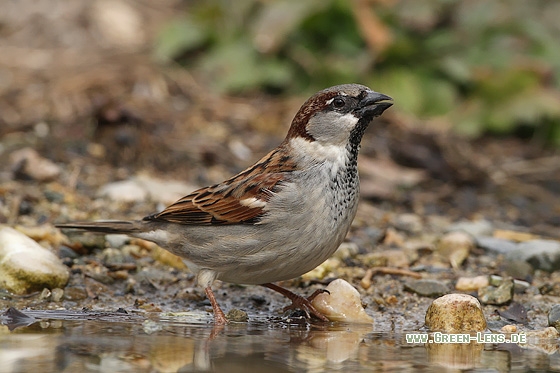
(373, 104)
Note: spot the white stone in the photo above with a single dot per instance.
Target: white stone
(26, 266)
(141, 187)
(471, 283)
(124, 191)
(28, 162)
(342, 304)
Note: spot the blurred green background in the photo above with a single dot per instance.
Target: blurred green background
(477, 67)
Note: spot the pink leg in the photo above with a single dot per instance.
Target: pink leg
(219, 316)
(299, 302)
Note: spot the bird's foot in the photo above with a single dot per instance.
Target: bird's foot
(299, 302)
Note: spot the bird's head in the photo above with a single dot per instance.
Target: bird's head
(338, 115)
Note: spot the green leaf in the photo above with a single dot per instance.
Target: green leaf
(179, 36)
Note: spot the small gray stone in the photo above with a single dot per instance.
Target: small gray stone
(90, 241)
(496, 245)
(474, 228)
(554, 317)
(374, 234)
(112, 256)
(497, 295)
(66, 252)
(427, 288)
(541, 254)
(124, 191)
(410, 223)
(116, 240)
(518, 268)
(75, 293)
(57, 294)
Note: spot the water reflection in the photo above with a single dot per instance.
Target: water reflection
(170, 345)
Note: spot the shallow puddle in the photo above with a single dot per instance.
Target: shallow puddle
(69, 341)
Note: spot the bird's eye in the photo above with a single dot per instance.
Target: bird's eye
(338, 103)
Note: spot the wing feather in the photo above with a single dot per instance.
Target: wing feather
(239, 200)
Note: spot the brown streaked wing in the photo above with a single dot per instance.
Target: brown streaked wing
(216, 205)
(221, 203)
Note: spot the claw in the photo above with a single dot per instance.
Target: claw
(299, 302)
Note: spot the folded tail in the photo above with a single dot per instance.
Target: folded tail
(107, 226)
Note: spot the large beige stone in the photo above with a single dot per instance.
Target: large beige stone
(26, 266)
(455, 313)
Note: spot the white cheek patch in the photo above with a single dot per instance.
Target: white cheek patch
(348, 121)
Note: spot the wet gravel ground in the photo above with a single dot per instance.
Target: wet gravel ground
(397, 241)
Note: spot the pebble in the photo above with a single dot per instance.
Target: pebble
(26, 266)
(116, 240)
(112, 256)
(495, 280)
(454, 313)
(387, 258)
(496, 245)
(474, 228)
(427, 288)
(57, 294)
(75, 293)
(237, 315)
(346, 250)
(410, 223)
(471, 283)
(554, 317)
(118, 23)
(519, 285)
(393, 238)
(497, 295)
(342, 304)
(518, 269)
(124, 191)
(323, 270)
(142, 187)
(508, 329)
(437, 223)
(455, 247)
(27, 163)
(541, 254)
(546, 333)
(65, 252)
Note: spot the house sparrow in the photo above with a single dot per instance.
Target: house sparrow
(281, 217)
